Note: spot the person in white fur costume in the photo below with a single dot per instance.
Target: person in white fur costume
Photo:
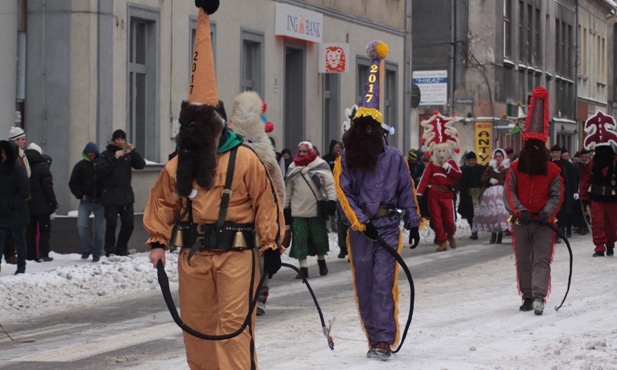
(437, 181)
(248, 120)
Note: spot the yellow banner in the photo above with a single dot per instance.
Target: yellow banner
(483, 141)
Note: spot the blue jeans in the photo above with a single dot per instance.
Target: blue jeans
(19, 236)
(89, 244)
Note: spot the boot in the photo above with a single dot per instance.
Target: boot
(538, 306)
(499, 237)
(527, 305)
(474, 235)
(452, 242)
(493, 238)
(442, 247)
(303, 271)
(323, 269)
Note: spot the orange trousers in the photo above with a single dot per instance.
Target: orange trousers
(214, 300)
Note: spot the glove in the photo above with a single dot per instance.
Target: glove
(414, 235)
(543, 216)
(575, 196)
(331, 207)
(272, 262)
(524, 218)
(446, 166)
(52, 216)
(493, 181)
(371, 231)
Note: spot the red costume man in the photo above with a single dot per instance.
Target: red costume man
(599, 182)
(534, 191)
(437, 182)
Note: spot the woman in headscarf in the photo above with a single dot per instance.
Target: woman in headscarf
(491, 215)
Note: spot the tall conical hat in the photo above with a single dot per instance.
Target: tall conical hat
(202, 84)
(538, 116)
(369, 106)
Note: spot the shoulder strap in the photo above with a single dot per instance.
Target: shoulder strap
(309, 185)
(226, 193)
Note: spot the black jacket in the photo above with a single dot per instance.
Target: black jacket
(116, 175)
(14, 190)
(84, 180)
(43, 200)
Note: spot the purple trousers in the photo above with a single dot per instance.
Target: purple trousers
(375, 273)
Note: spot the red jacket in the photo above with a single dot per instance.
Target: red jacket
(534, 193)
(436, 176)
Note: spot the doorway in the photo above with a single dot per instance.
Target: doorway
(294, 117)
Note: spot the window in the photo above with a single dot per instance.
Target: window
(521, 31)
(142, 83)
(537, 60)
(252, 62)
(362, 77)
(507, 35)
(530, 38)
(390, 102)
(331, 117)
(557, 49)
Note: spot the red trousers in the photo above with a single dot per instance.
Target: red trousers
(603, 224)
(442, 217)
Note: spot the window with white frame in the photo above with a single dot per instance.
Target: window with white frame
(142, 81)
(507, 31)
(252, 62)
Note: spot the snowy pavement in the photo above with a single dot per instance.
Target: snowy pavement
(464, 318)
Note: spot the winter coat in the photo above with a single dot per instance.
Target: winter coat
(117, 175)
(14, 190)
(84, 179)
(43, 200)
(298, 194)
(471, 178)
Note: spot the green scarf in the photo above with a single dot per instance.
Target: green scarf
(231, 141)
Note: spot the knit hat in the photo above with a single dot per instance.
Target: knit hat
(471, 155)
(564, 150)
(412, 155)
(555, 148)
(601, 131)
(118, 134)
(16, 132)
(33, 146)
(537, 121)
(371, 100)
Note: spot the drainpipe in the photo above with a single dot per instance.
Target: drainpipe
(452, 54)
(407, 128)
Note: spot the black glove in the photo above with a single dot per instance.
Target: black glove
(414, 235)
(331, 207)
(524, 218)
(543, 216)
(371, 231)
(272, 262)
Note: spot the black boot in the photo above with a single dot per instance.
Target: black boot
(474, 235)
(493, 238)
(499, 237)
(323, 269)
(303, 271)
(527, 305)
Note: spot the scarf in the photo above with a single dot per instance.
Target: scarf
(310, 157)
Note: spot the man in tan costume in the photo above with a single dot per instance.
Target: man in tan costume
(215, 273)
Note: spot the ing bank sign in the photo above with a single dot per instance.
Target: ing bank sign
(298, 23)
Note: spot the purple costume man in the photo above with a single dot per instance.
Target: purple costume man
(372, 182)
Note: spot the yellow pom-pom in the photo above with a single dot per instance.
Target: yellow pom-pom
(382, 50)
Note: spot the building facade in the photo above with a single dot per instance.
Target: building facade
(495, 53)
(87, 67)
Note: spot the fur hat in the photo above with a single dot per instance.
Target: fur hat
(555, 148)
(15, 133)
(601, 131)
(538, 116)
